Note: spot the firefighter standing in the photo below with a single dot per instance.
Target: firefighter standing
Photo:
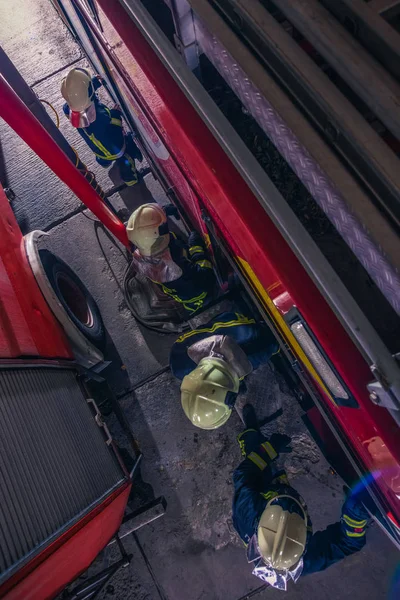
(212, 362)
(99, 126)
(272, 519)
(182, 271)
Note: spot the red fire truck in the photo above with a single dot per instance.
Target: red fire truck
(350, 372)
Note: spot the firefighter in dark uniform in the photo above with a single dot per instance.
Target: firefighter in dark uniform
(213, 361)
(272, 519)
(99, 126)
(182, 271)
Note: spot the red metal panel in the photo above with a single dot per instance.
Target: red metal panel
(71, 554)
(25, 124)
(252, 236)
(27, 326)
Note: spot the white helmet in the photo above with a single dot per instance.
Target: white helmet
(77, 90)
(282, 535)
(144, 231)
(204, 391)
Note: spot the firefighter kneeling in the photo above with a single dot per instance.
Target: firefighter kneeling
(272, 518)
(212, 362)
(182, 271)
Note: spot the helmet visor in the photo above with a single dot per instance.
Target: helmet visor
(264, 571)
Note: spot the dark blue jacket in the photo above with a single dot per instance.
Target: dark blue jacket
(255, 485)
(195, 287)
(255, 339)
(105, 136)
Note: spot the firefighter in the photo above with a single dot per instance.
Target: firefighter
(99, 126)
(182, 271)
(213, 361)
(272, 518)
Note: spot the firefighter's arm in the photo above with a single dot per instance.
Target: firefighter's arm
(97, 82)
(179, 361)
(116, 116)
(197, 252)
(253, 477)
(248, 503)
(263, 347)
(338, 540)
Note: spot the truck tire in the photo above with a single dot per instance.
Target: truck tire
(77, 302)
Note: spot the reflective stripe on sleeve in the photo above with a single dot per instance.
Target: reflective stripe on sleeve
(240, 320)
(204, 264)
(269, 495)
(355, 534)
(194, 249)
(117, 122)
(257, 460)
(269, 450)
(352, 523)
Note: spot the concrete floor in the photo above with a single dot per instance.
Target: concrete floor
(192, 553)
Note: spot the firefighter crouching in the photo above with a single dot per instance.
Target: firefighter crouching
(272, 518)
(212, 362)
(182, 271)
(99, 126)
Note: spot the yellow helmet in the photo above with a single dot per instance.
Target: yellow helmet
(282, 535)
(78, 92)
(143, 229)
(204, 390)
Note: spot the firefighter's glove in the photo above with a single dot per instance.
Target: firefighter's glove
(280, 442)
(171, 211)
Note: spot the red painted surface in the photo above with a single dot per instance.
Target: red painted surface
(27, 326)
(70, 555)
(252, 236)
(25, 124)
(29, 329)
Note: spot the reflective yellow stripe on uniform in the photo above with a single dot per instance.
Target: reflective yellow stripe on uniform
(240, 320)
(352, 523)
(194, 249)
(204, 264)
(354, 534)
(105, 153)
(269, 495)
(269, 450)
(257, 460)
(198, 300)
(117, 122)
(242, 447)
